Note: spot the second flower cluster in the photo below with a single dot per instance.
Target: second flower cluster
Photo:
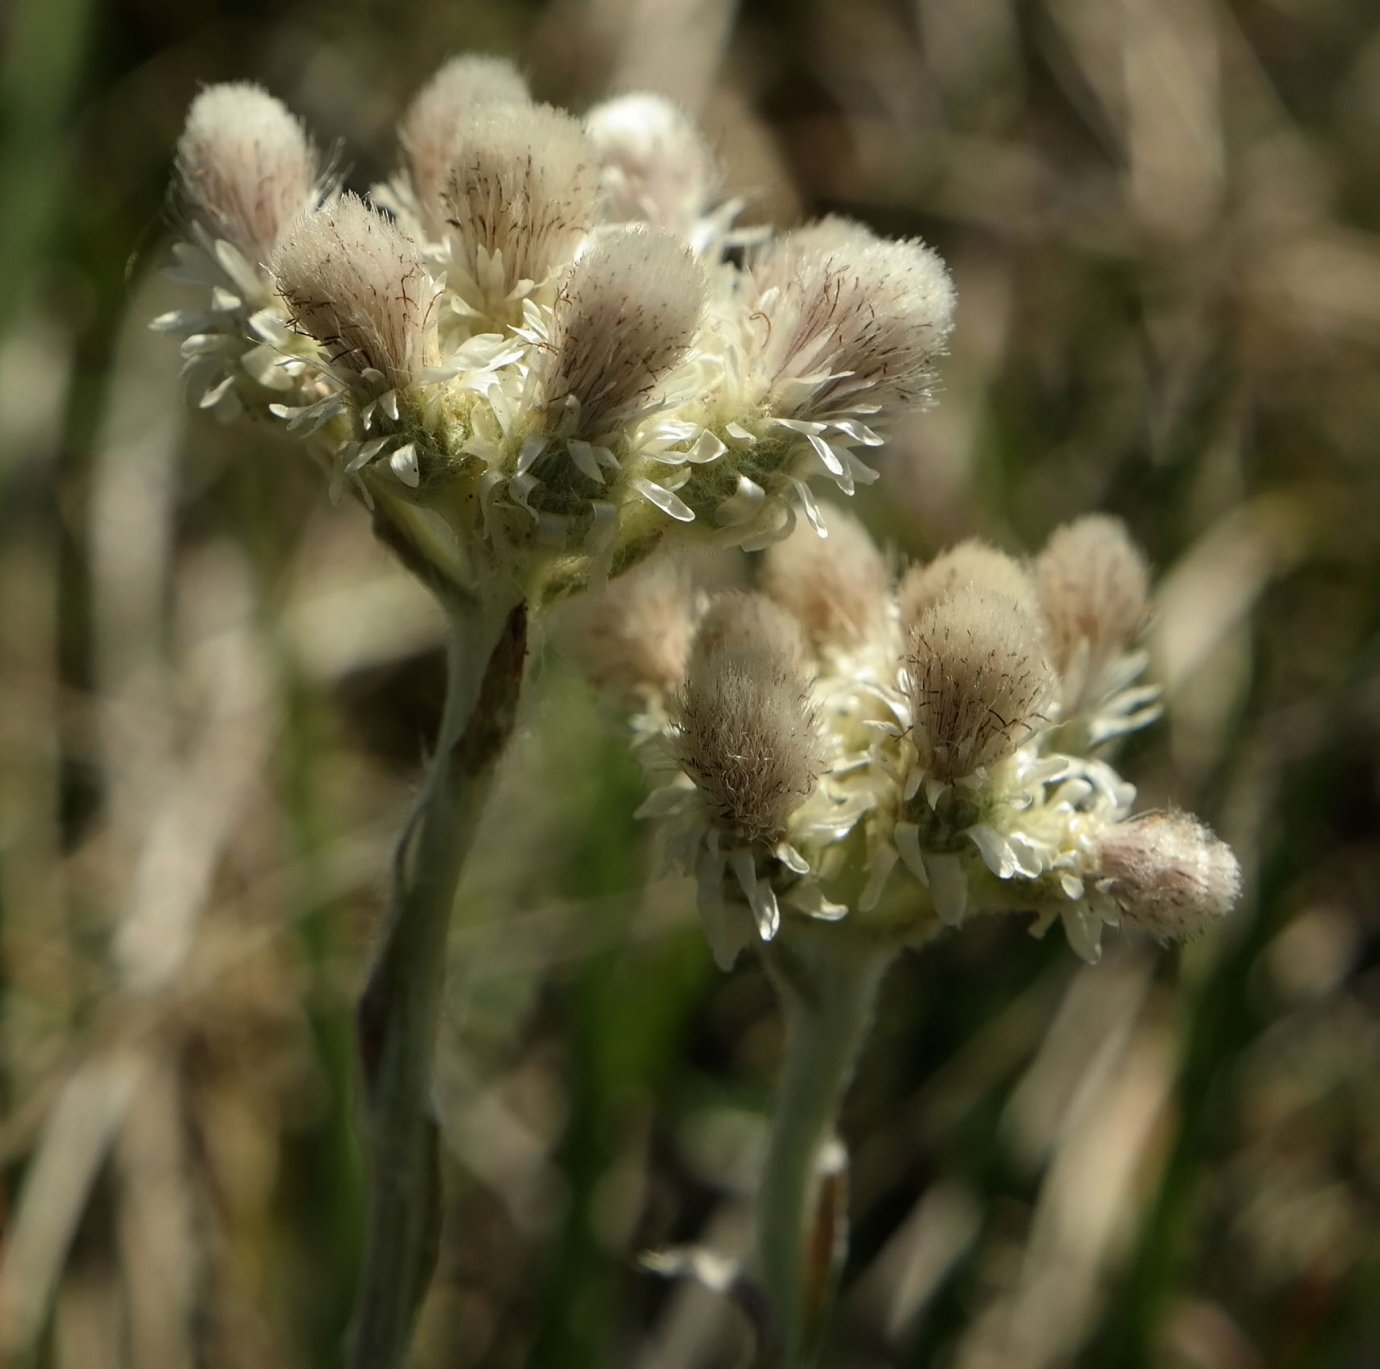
(899, 756)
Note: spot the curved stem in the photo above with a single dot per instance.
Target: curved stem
(399, 1008)
(827, 986)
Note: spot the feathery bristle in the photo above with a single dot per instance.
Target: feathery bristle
(978, 680)
(748, 735)
(440, 110)
(625, 315)
(353, 280)
(974, 563)
(859, 323)
(837, 588)
(246, 166)
(521, 185)
(1168, 873)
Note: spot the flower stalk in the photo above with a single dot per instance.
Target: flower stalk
(533, 357)
(827, 986)
(848, 767)
(401, 1002)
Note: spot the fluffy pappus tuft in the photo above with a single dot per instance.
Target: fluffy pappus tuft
(1168, 873)
(246, 166)
(353, 280)
(626, 313)
(633, 640)
(654, 164)
(1094, 591)
(977, 681)
(519, 195)
(441, 109)
(747, 732)
(851, 326)
(974, 563)
(743, 620)
(833, 232)
(838, 588)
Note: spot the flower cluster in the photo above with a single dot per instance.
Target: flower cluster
(833, 746)
(531, 354)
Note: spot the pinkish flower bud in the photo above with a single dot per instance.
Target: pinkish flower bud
(633, 640)
(441, 109)
(655, 166)
(1168, 873)
(246, 166)
(1094, 589)
(850, 327)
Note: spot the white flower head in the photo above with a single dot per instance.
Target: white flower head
(737, 621)
(1094, 594)
(654, 164)
(1168, 873)
(747, 733)
(975, 564)
(1094, 589)
(625, 315)
(533, 321)
(851, 328)
(354, 281)
(633, 639)
(246, 167)
(441, 110)
(977, 682)
(518, 199)
(837, 588)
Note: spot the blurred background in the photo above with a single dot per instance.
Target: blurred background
(216, 692)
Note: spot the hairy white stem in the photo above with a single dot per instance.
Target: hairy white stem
(827, 987)
(398, 1011)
